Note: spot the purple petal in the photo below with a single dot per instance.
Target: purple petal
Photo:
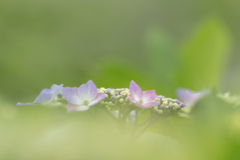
(188, 97)
(70, 94)
(135, 91)
(88, 91)
(149, 96)
(152, 104)
(44, 97)
(76, 108)
(99, 97)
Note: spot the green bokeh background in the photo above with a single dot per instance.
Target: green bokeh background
(162, 45)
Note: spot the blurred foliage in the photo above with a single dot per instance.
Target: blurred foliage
(163, 60)
(204, 55)
(162, 45)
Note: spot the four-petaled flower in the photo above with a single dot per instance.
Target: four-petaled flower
(143, 99)
(189, 97)
(47, 96)
(82, 98)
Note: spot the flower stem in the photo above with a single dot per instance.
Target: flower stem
(153, 121)
(112, 116)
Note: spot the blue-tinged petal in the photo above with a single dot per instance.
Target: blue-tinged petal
(98, 98)
(135, 91)
(88, 91)
(57, 89)
(70, 94)
(189, 97)
(149, 96)
(44, 97)
(22, 104)
(76, 108)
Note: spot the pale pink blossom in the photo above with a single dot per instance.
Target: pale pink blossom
(82, 98)
(143, 99)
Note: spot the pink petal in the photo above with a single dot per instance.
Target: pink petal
(131, 99)
(145, 105)
(76, 108)
(149, 96)
(152, 104)
(44, 97)
(88, 91)
(135, 91)
(99, 97)
(70, 94)
(134, 102)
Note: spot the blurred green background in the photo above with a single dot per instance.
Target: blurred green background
(162, 45)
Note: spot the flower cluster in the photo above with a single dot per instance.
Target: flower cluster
(122, 104)
(87, 95)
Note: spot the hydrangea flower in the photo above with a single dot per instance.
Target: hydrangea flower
(190, 97)
(143, 99)
(82, 98)
(47, 96)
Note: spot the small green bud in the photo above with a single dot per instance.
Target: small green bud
(176, 106)
(121, 100)
(110, 103)
(112, 92)
(165, 103)
(106, 96)
(160, 111)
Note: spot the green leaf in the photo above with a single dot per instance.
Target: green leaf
(204, 55)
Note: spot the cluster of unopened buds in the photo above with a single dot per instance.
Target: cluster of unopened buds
(123, 105)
